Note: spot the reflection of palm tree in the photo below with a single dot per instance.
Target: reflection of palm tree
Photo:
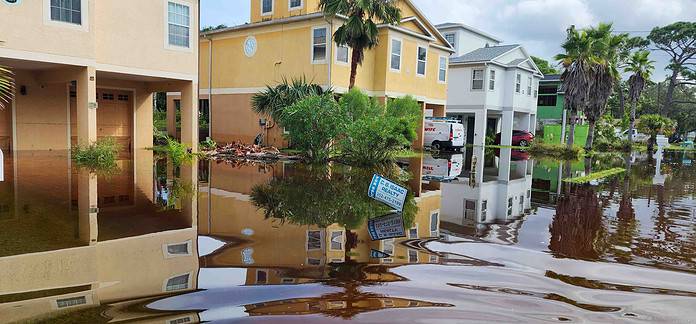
(577, 225)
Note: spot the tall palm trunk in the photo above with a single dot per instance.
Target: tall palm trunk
(357, 53)
(590, 135)
(571, 132)
(670, 93)
(632, 121)
(622, 100)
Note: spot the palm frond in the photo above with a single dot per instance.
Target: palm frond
(7, 87)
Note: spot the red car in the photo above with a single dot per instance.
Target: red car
(519, 138)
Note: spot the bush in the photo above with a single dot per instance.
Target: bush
(314, 123)
(179, 153)
(100, 155)
(208, 145)
(653, 125)
(378, 133)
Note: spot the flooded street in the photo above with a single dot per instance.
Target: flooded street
(490, 236)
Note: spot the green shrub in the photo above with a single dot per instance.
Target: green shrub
(314, 123)
(178, 152)
(100, 155)
(653, 125)
(208, 145)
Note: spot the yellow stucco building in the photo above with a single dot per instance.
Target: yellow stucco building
(87, 69)
(293, 39)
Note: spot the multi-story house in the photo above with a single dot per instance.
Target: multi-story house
(86, 69)
(293, 39)
(492, 88)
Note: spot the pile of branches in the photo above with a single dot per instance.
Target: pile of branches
(236, 150)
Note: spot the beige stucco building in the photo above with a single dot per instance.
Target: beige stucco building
(87, 69)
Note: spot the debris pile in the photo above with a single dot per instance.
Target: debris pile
(240, 151)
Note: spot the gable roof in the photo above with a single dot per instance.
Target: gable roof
(484, 54)
(449, 25)
(424, 20)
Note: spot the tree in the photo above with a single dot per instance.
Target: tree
(604, 74)
(314, 123)
(213, 28)
(641, 68)
(653, 125)
(359, 31)
(273, 100)
(577, 62)
(678, 40)
(544, 66)
(7, 87)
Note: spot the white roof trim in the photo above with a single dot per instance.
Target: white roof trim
(447, 26)
(431, 26)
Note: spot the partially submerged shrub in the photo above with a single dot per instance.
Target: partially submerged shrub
(178, 152)
(98, 156)
(208, 145)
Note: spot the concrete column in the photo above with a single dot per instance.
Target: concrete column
(87, 106)
(189, 115)
(143, 130)
(506, 128)
(171, 118)
(87, 206)
(480, 125)
(504, 163)
(533, 123)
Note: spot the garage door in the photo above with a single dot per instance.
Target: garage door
(114, 117)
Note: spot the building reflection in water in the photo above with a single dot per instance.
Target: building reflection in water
(491, 197)
(81, 240)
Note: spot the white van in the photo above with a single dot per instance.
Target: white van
(443, 133)
(442, 168)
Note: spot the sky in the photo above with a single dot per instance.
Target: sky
(539, 25)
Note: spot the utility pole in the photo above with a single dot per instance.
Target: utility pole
(659, 107)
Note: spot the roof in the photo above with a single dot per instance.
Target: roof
(551, 78)
(484, 54)
(264, 23)
(469, 28)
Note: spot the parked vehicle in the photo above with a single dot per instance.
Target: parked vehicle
(444, 167)
(637, 136)
(519, 138)
(443, 133)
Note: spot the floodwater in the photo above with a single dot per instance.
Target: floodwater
(489, 236)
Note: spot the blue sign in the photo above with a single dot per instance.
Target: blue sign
(386, 227)
(388, 192)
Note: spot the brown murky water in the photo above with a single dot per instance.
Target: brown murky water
(489, 237)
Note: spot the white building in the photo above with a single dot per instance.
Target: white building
(492, 88)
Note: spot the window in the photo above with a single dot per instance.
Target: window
(521, 203)
(518, 83)
(342, 54)
(442, 76)
(396, 54)
(388, 247)
(529, 86)
(491, 81)
(470, 210)
(509, 211)
(68, 11)
(287, 280)
(314, 240)
(536, 93)
(71, 302)
(413, 232)
(261, 276)
(422, 59)
(266, 7)
(313, 261)
(450, 37)
(295, 4)
(179, 249)
(548, 89)
(477, 80)
(484, 210)
(337, 241)
(319, 41)
(179, 24)
(434, 221)
(180, 320)
(412, 256)
(178, 283)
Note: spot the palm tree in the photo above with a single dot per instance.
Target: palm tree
(578, 61)
(7, 87)
(641, 68)
(273, 100)
(359, 31)
(605, 74)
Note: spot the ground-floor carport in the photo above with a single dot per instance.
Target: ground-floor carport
(481, 123)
